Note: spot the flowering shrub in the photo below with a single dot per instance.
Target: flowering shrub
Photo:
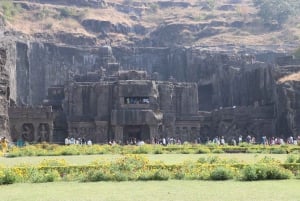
(221, 173)
(158, 150)
(53, 162)
(45, 149)
(37, 176)
(161, 175)
(264, 172)
(95, 175)
(137, 167)
(7, 176)
(203, 150)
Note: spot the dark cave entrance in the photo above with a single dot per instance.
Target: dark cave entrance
(136, 132)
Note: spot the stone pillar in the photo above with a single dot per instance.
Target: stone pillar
(153, 131)
(119, 133)
(178, 132)
(70, 132)
(51, 132)
(36, 130)
(101, 131)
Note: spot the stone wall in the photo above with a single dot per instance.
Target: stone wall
(255, 121)
(31, 124)
(4, 95)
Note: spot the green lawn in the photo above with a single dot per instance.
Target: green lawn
(287, 190)
(167, 158)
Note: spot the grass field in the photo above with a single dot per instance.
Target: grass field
(173, 190)
(166, 158)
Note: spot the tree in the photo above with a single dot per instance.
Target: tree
(297, 53)
(274, 10)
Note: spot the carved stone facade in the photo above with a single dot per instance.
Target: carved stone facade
(129, 105)
(236, 95)
(31, 124)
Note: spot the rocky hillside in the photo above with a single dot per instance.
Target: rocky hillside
(155, 23)
(232, 49)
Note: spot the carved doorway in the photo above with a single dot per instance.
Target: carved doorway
(136, 133)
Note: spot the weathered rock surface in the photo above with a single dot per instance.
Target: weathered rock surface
(4, 95)
(237, 89)
(132, 107)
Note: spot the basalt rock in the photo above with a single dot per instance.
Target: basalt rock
(4, 95)
(231, 83)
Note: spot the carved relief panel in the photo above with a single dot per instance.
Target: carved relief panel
(43, 133)
(28, 132)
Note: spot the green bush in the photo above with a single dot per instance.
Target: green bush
(221, 173)
(161, 175)
(297, 55)
(9, 9)
(146, 176)
(292, 159)
(53, 162)
(297, 175)
(66, 12)
(234, 149)
(179, 175)
(130, 163)
(249, 174)
(210, 160)
(142, 150)
(120, 176)
(217, 151)
(156, 175)
(276, 172)
(264, 172)
(278, 151)
(37, 176)
(274, 10)
(7, 177)
(203, 150)
(158, 151)
(268, 160)
(185, 151)
(95, 175)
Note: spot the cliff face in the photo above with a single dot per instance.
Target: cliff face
(40, 65)
(4, 95)
(239, 92)
(225, 79)
(288, 108)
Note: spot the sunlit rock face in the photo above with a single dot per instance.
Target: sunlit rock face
(4, 95)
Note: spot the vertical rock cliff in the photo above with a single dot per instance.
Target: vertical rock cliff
(4, 94)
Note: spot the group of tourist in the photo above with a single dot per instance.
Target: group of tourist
(165, 141)
(280, 141)
(137, 100)
(252, 140)
(218, 140)
(80, 141)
